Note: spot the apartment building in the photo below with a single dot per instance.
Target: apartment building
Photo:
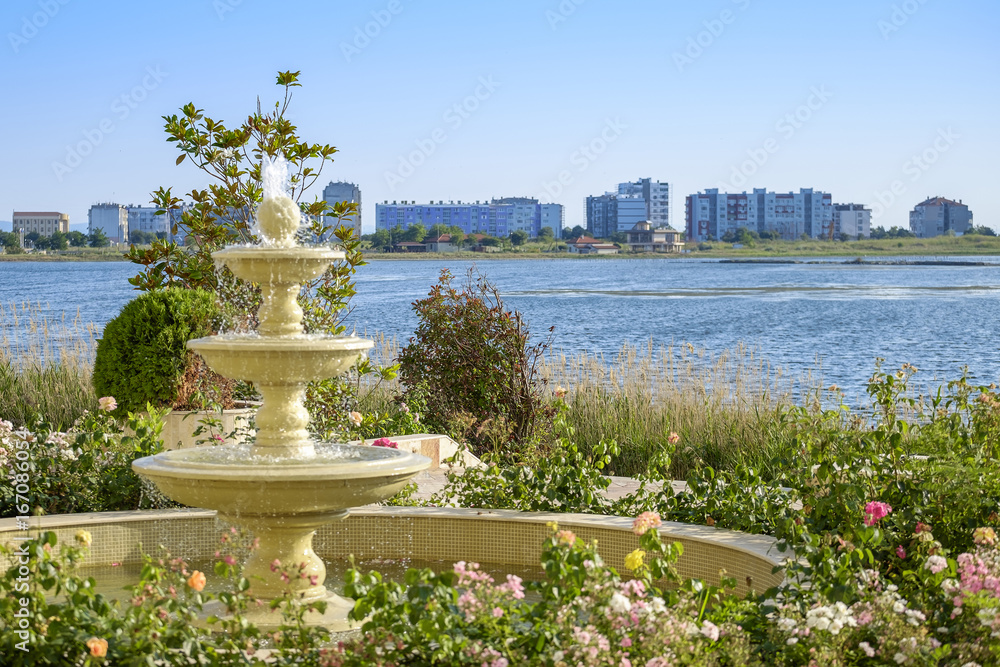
(498, 217)
(656, 196)
(341, 191)
(710, 214)
(854, 220)
(45, 223)
(633, 202)
(937, 215)
(110, 218)
(610, 213)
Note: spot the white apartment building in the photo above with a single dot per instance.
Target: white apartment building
(45, 223)
(852, 219)
(552, 216)
(710, 214)
(937, 215)
(110, 218)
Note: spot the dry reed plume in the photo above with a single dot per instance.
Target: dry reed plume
(45, 365)
(726, 409)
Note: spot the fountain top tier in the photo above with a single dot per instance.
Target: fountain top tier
(279, 359)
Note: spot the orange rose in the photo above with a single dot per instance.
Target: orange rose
(197, 580)
(98, 647)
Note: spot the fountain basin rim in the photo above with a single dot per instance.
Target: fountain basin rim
(438, 533)
(253, 343)
(268, 254)
(177, 464)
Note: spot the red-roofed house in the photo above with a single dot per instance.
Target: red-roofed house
(441, 243)
(586, 245)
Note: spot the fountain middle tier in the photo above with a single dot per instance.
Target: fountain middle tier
(280, 360)
(280, 367)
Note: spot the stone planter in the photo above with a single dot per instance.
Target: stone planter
(179, 425)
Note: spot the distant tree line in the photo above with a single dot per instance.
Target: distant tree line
(11, 241)
(385, 239)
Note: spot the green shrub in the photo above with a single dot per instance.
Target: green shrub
(471, 364)
(143, 357)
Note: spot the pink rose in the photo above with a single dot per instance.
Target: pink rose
(875, 511)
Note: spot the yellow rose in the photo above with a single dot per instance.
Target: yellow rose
(634, 560)
(84, 537)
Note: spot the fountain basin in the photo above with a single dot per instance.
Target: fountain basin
(283, 501)
(427, 533)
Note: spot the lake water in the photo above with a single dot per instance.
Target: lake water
(800, 316)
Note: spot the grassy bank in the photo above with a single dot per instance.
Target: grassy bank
(70, 255)
(937, 246)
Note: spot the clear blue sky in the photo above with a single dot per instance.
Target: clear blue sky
(895, 80)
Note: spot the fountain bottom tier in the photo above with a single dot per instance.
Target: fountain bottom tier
(282, 501)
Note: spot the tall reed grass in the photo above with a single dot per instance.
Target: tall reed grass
(45, 365)
(726, 409)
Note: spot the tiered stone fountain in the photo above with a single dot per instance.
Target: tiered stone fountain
(283, 485)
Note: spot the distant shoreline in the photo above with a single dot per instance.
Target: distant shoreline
(762, 252)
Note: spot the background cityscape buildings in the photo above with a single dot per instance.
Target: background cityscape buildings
(709, 215)
(110, 218)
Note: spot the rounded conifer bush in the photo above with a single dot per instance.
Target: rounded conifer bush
(142, 356)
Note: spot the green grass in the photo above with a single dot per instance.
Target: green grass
(939, 245)
(69, 255)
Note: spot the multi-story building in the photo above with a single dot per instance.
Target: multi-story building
(854, 220)
(45, 223)
(110, 218)
(656, 196)
(498, 217)
(710, 214)
(144, 219)
(632, 203)
(610, 213)
(334, 193)
(937, 216)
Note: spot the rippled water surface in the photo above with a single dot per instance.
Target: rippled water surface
(840, 316)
